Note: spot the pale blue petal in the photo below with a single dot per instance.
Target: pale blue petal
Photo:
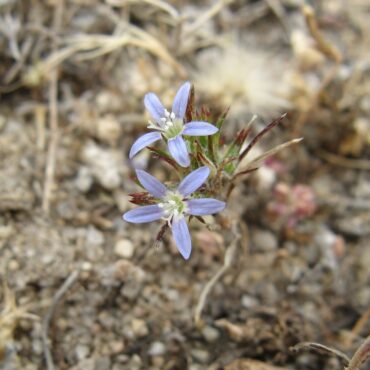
(205, 206)
(182, 238)
(144, 141)
(181, 100)
(177, 148)
(144, 214)
(154, 106)
(193, 181)
(199, 128)
(150, 183)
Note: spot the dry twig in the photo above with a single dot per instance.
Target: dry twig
(54, 132)
(228, 260)
(72, 278)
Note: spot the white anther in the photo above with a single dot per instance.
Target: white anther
(172, 115)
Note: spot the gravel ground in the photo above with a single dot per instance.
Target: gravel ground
(82, 289)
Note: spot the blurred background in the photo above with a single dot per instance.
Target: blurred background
(83, 290)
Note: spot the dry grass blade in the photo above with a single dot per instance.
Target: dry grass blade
(36, 73)
(361, 356)
(72, 278)
(229, 257)
(214, 10)
(264, 131)
(359, 164)
(323, 45)
(269, 153)
(156, 3)
(92, 46)
(54, 130)
(317, 347)
(10, 316)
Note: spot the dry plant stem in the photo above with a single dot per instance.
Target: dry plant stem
(361, 321)
(228, 260)
(361, 355)
(269, 127)
(317, 347)
(214, 10)
(72, 278)
(303, 117)
(358, 164)
(278, 9)
(329, 50)
(155, 3)
(256, 161)
(53, 109)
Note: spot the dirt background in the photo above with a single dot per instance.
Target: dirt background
(84, 290)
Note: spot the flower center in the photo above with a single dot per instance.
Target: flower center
(173, 205)
(171, 125)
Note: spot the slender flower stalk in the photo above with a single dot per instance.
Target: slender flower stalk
(171, 127)
(173, 205)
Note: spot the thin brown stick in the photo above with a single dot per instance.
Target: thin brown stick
(228, 260)
(317, 347)
(358, 164)
(72, 278)
(361, 356)
(270, 126)
(53, 123)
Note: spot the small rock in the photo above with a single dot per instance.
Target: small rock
(103, 363)
(139, 328)
(85, 364)
(84, 179)
(116, 347)
(108, 129)
(5, 233)
(200, 355)
(37, 346)
(248, 301)
(264, 240)
(124, 248)
(105, 164)
(210, 334)
(82, 351)
(157, 349)
(94, 236)
(108, 101)
(2, 122)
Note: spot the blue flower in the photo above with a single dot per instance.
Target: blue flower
(171, 126)
(174, 205)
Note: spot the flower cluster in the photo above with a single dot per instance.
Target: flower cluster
(205, 164)
(174, 204)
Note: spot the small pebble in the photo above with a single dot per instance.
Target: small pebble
(124, 248)
(157, 349)
(248, 301)
(82, 351)
(94, 236)
(210, 334)
(84, 179)
(264, 240)
(200, 355)
(108, 129)
(139, 328)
